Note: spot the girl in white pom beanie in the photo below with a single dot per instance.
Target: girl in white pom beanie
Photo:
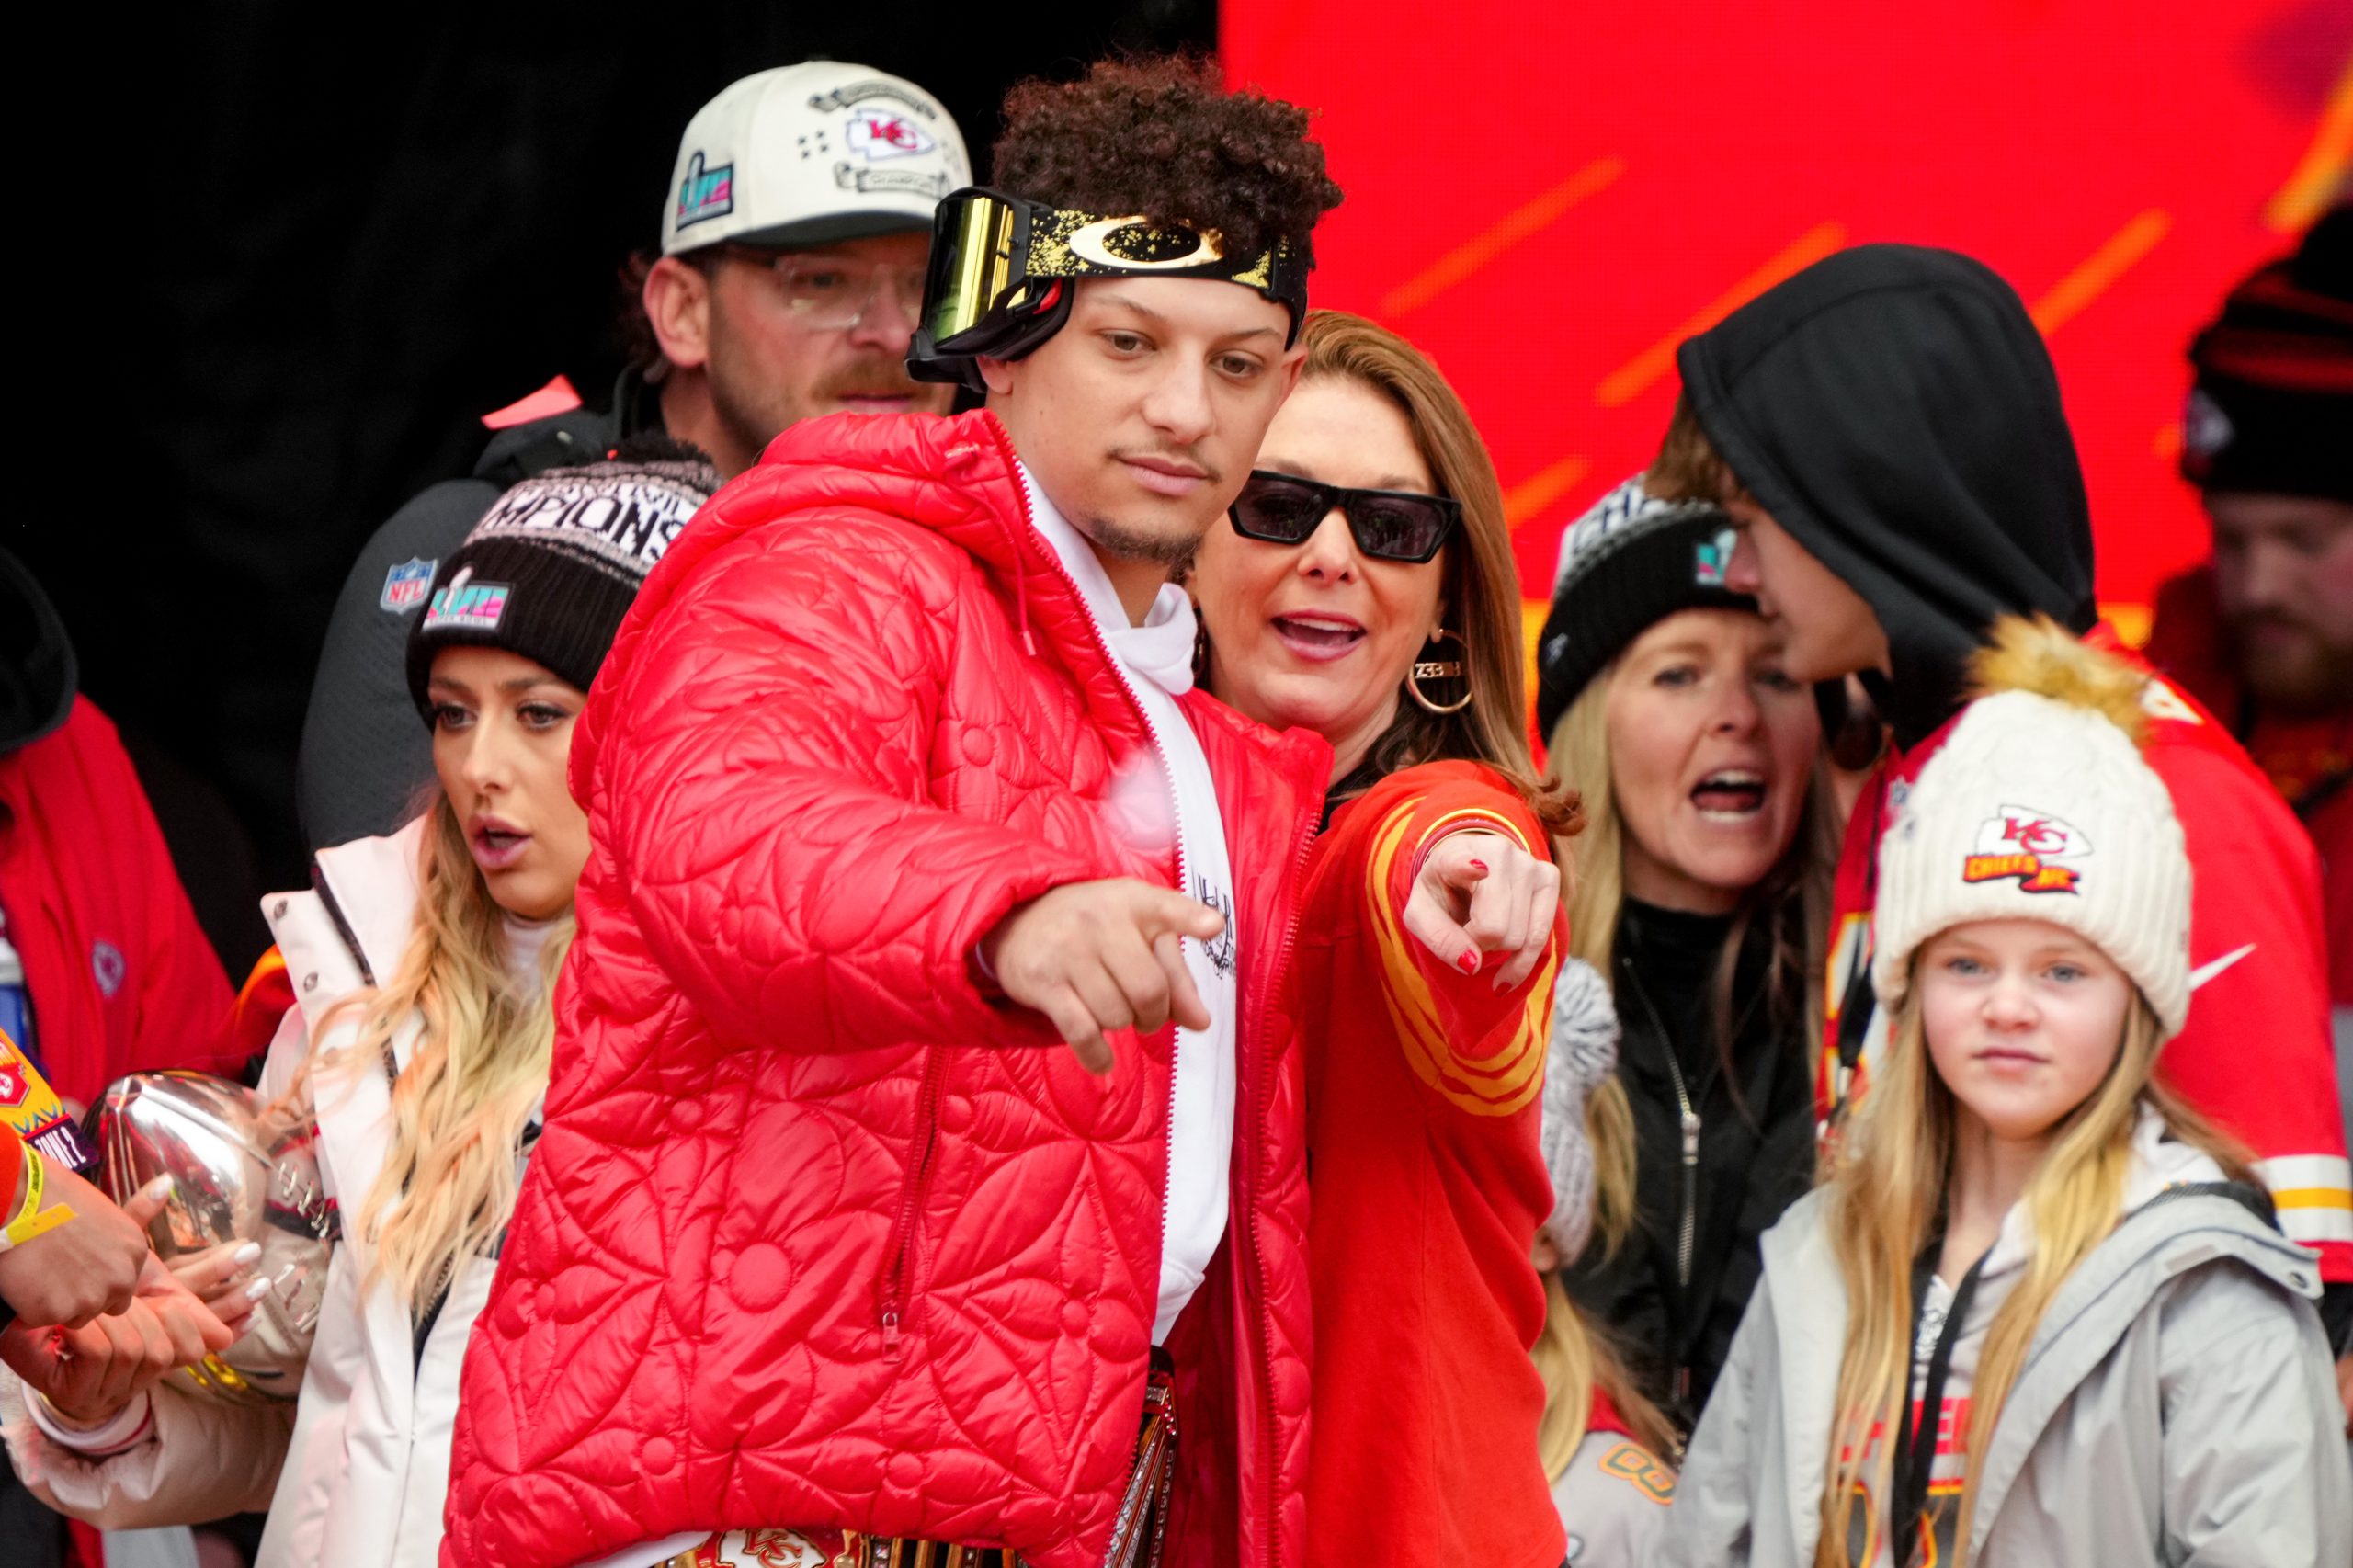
(2040, 1313)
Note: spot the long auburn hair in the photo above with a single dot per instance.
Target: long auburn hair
(1480, 584)
(1886, 1194)
(448, 1184)
(1792, 902)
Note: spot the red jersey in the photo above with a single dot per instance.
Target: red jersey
(2256, 1055)
(1427, 1184)
(121, 977)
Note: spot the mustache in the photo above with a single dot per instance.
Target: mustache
(1177, 455)
(2271, 618)
(870, 378)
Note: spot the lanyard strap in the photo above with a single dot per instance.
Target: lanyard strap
(1916, 1436)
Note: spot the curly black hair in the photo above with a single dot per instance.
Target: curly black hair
(1162, 138)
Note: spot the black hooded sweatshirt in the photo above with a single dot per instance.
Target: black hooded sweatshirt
(1894, 409)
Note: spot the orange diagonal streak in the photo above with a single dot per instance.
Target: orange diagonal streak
(2323, 165)
(2100, 269)
(1633, 379)
(1540, 489)
(1513, 227)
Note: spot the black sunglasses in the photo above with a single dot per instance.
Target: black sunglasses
(1388, 525)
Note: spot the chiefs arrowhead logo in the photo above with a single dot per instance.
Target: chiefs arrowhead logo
(875, 133)
(2036, 847)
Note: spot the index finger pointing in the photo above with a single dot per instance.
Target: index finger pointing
(1163, 910)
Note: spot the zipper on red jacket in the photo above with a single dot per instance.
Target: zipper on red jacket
(1263, 1094)
(902, 1245)
(895, 1289)
(1184, 860)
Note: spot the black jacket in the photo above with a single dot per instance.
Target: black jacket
(366, 753)
(1896, 410)
(1674, 1296)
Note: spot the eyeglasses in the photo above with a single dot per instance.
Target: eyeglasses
(831, 293)
(1388, 525)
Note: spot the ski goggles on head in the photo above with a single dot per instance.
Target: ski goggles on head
(1388, 525)
(1001, 268)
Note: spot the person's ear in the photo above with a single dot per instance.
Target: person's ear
(998, 375)
(1546, 1254)
(1293, 363)
(678, 305)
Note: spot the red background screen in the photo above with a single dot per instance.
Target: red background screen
(1548, 198)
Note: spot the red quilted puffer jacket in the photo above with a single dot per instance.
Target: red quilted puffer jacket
(817, 1233)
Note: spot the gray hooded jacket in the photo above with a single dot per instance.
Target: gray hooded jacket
(2177, 1406)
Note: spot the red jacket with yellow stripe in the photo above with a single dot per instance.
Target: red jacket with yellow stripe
(2256, 1055)
(1425, 1090)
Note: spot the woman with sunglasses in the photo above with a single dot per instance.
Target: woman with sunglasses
(1365, 590)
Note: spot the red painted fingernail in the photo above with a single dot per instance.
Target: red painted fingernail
(1480, 867)
(1469, 963)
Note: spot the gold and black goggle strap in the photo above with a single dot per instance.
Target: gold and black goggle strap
(998, 265)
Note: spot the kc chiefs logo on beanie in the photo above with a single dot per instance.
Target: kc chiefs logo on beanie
(552, 567)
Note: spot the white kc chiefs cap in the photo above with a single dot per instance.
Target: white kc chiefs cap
(804, 155)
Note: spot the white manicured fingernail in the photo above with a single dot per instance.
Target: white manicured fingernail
(247, 1253)
(257, 1291)
(160, 1187)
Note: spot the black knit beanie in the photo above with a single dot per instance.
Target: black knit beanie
(1626, 565)
(552, 567)
(2272, 410)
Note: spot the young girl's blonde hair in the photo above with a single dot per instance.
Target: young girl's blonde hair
(449, 1182)
(1574, 1358)
(1883, 1209)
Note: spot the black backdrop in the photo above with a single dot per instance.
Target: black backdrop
(308, 262)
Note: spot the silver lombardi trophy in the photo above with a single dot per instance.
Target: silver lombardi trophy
(241, 1171)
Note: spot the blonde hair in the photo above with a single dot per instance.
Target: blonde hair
(1574, 1359)
(448, 1186)
(1882, 1209)
(1798, 886)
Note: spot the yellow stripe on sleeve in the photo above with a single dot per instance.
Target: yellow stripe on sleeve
(1495, 1086)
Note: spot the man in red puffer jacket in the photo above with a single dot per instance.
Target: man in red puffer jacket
(874, 1182)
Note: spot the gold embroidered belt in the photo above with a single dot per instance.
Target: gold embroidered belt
(1137, 1533)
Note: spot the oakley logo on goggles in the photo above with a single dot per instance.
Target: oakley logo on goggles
(999, 264)
(1388, 525)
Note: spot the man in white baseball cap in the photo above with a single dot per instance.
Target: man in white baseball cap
(790, 271)
(793, 241)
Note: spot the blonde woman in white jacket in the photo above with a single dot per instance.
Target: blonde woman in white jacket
(423, 966)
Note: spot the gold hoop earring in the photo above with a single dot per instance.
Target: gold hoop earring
(1437, 669)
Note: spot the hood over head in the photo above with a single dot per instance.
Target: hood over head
(1894, 409)
(38, 672)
